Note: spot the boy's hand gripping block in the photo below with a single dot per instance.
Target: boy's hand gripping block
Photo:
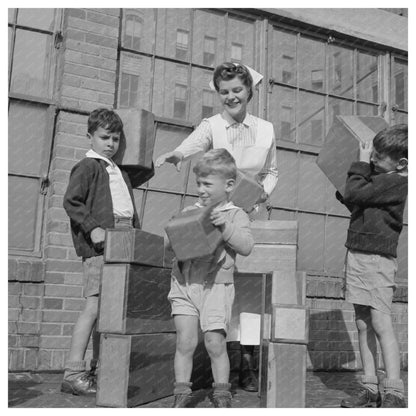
(246, 192)
(341, 146)
(191, 234)
(137, 143)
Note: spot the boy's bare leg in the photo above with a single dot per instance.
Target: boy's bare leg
(82, 329)
(383, 327)
(366, 339)
(217, 350)
(186, 342)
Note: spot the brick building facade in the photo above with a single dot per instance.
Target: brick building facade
(116, 58)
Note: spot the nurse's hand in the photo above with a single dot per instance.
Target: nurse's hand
(170, 157)
(263, 198)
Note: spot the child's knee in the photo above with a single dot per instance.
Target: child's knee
(186, 344)
(215, 343)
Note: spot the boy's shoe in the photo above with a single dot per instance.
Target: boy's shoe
(222, 400)
(182, 400)
(82, 385)
(248, 380)
(364, 398)
(393, 400)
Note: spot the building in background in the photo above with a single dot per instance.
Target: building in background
(63, 63)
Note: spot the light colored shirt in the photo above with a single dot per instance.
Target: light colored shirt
(120, 195)
(238, 135)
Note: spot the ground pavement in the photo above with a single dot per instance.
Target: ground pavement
(42, 390)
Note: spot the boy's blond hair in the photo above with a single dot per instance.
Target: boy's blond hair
(216, 162)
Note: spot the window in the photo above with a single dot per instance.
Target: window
(133, 28)
(236, 52)
(317, 79)
(130, 67)
(182, 44)
(32, 63)
(207, 103)
(209, 51)
(179, 107)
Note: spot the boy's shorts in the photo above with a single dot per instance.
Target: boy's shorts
(370, 279)
(93, 266)
(211, 303)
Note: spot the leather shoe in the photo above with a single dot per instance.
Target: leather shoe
(223, 400)
(393, 400)
(82, 385)
(248, 380)
(182, 400)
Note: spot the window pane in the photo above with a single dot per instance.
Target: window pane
(335, 236)
(167, 177)
(311, 64)
(367, 109)
(32, 72)
(282, 215)
(135, 81)
(340, 71)
(139, 29)
(339, 107)
(283, 57)
(37, 18)
(169, 21)
(167, 75)
(400, 82)
(208, 25)
(367, 77)
(159, 209)
(310, 116)
(241, 33)
(26, 139)
(281, 109)
(23, 203)
(311, 241)
(311, 188)
(285, 193)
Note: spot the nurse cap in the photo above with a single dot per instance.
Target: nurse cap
(257, 77)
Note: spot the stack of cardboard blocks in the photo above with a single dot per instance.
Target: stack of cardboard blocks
(285, 317)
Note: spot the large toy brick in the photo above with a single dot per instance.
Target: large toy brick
(136, 147)
(135, 246)
(288, 288)
(283, 375)
(192, 234)
(265, 258)
(135, 369)
(290, 324)
(246, 192)
(341, 146)
(134, 299)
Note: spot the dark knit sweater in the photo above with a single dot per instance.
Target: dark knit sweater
(376, 201)
(88, 203)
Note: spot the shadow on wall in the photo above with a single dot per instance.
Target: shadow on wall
(333, 344)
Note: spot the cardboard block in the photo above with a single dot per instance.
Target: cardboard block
(275, 232)
(246, 192)
(136, 147)
(288, 287)
(265, 258)
(290, 324)
(341, 145)
(192, 234)
(135, 369)
(283, 380)
(134, 300)
(135, 246)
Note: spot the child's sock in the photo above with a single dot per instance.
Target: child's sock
(370, 383)
(221, 389)
(74, 368)
(182, 387)
(393, 386)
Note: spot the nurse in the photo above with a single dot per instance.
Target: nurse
(250, 140)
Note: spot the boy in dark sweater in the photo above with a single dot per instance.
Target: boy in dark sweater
(99, 196)
(376, 193)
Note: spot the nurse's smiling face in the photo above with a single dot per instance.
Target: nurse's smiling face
(234, 96)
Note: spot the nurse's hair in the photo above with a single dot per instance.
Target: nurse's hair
(216, 162)
(227, 71)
